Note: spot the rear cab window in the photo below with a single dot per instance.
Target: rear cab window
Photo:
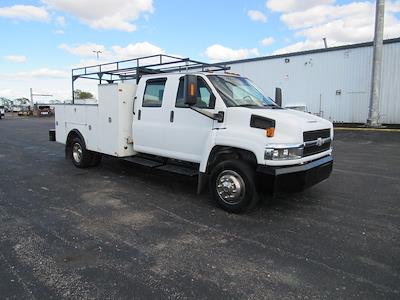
(154, 92)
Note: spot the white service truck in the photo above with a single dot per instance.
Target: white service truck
(195, 119)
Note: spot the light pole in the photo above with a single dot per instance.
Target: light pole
(374, 115)
(97, 53)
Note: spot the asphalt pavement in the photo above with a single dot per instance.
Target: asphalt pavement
(125, 231)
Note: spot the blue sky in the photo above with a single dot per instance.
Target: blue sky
(43, 39)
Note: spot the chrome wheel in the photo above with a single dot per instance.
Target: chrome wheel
(77, 152)
(230, 187)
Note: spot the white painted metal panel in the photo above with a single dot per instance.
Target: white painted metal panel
(115, 119)
(59, 115)
(335, 84)
(107, 126)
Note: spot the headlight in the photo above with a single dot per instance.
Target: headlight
(283, 152)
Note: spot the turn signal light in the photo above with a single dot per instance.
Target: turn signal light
(270, 132)
(192, 90)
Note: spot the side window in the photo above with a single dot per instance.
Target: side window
(154, 92)
(180, 101)
(205, 98)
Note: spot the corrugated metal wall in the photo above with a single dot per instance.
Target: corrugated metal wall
(333, 83)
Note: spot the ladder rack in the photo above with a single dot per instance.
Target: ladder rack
(133, 69)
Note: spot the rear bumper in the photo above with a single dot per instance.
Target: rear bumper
(294, 178)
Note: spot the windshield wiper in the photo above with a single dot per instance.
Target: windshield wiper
(248, 105)
(273, 106)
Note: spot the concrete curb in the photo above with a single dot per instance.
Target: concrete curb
(367, 129)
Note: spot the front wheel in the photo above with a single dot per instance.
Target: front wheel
(232, 185)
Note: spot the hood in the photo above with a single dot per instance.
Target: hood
(289, 124)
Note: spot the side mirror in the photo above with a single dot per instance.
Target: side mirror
(278, 96)
(189, 93)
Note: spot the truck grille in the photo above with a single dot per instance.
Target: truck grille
(314, 135)
(316, 141)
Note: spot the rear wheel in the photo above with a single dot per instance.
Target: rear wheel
(232, 185)
(81, 157)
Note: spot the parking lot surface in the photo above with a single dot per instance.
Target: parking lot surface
(124, 231)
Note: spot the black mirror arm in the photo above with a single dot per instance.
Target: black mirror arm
(217, 117)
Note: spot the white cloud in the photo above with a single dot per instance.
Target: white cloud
(340, 24)
(59, 31)
(294, 5)
(105, 14)
(300, 46)
(220, 53)
(46, 80)
(86, 50)
(25, 13)
(268, 41)
(257, 16)
(136, 50)
(325, 13)
(16, 58)
(7, 93)
(113, 53)
(60, 21)
(43, 73)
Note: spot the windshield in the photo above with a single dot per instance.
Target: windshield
(239, 91)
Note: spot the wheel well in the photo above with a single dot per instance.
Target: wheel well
(71, 135)
(221, 153)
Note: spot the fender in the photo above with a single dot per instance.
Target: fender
(71, 134)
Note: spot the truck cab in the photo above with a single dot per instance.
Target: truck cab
(237, 140)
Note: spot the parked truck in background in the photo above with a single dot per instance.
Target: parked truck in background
(196, 119)
(2, 111)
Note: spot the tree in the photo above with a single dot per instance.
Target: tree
(7, 103)
(79, 94)
(21, 101)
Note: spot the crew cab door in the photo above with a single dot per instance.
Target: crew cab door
(150, 118)
(189, 131)
(165, 126)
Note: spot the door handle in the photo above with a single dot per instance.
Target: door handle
(133, 106)
(171, 116)
(139, 115)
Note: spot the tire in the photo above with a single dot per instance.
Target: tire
(81, 157)
(232, 184)
(96, 159)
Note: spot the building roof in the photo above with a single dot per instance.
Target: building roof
(314, 51)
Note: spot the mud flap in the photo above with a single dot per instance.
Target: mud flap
(201, 182)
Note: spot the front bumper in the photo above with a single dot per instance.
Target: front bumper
(294, 178)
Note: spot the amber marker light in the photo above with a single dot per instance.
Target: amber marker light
(269, 132)
(192, 90)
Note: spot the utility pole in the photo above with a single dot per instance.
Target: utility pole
(32, 94)
(97, 53)
(325, 43)
(374, 115)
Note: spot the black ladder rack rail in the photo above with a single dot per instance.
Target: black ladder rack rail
(133, 69)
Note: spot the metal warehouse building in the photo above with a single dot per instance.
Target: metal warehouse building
(333, 82)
